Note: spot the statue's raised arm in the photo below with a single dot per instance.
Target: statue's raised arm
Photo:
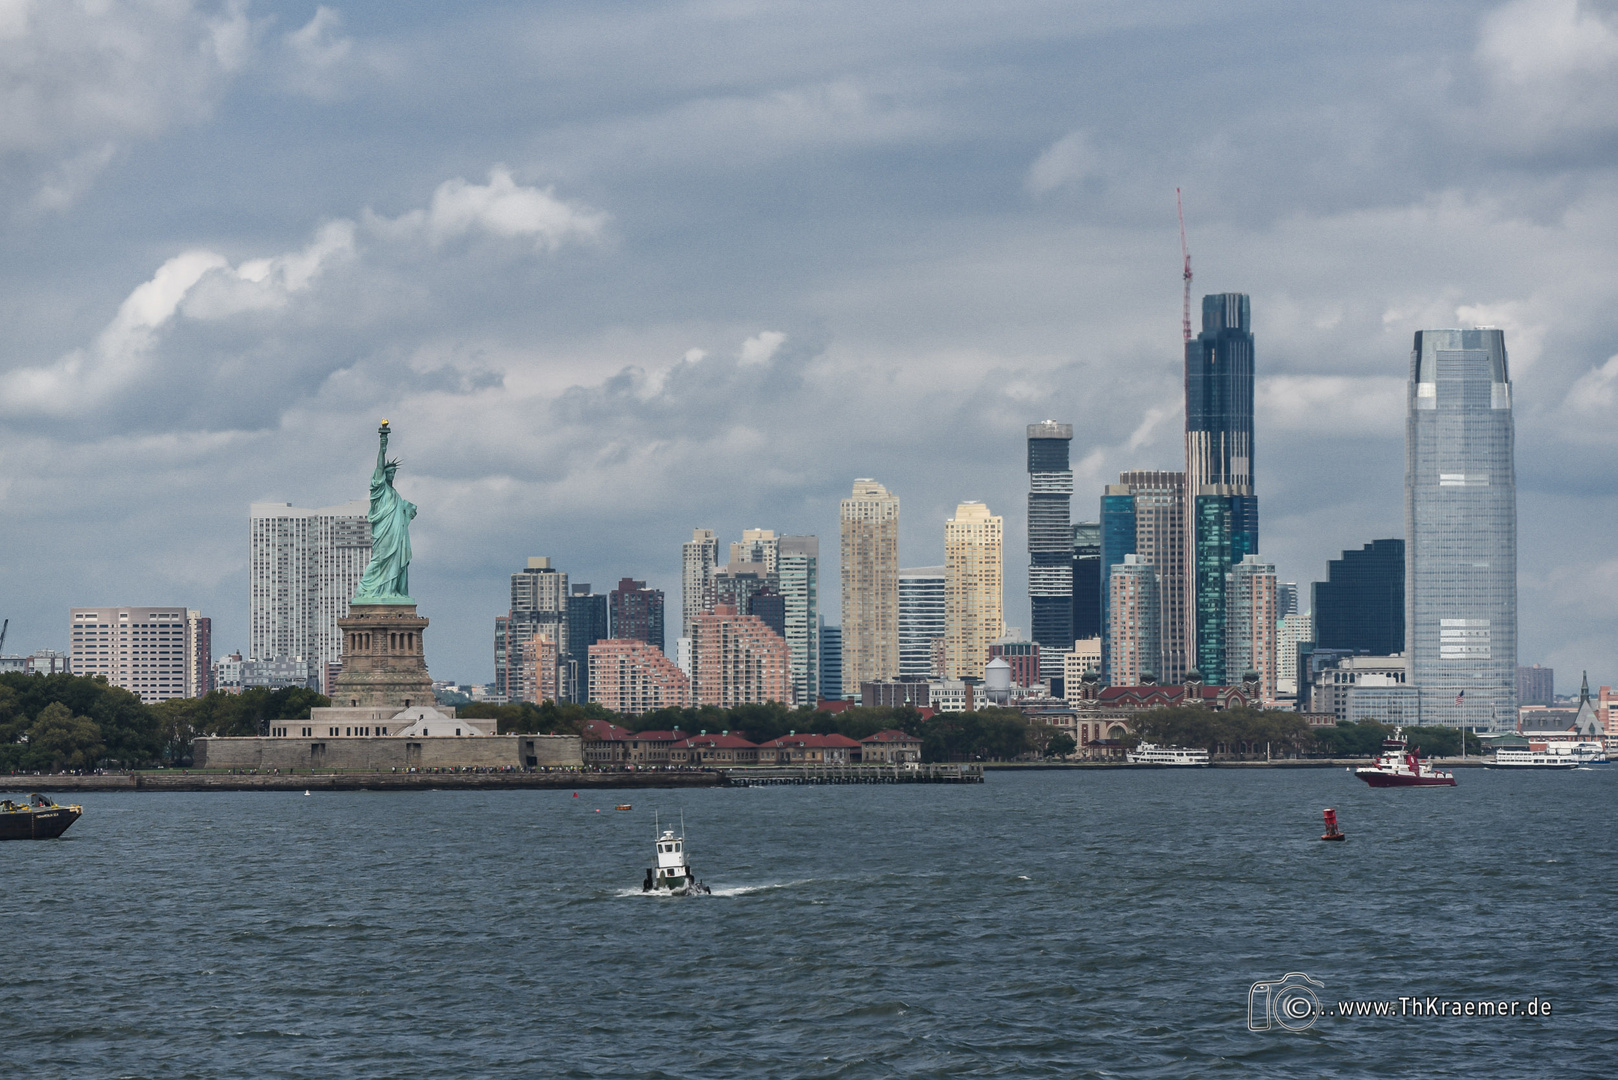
(387, 575)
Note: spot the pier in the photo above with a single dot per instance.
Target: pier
(853, 774)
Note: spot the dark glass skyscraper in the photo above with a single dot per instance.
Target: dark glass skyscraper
(1361, 604)
(1221, 502)
(586, 625)
(1117, 540)
(1050, 542)
(1086, 580)
(1461, 530)
(637, 612)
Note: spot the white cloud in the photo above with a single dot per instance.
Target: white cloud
(1331, 404)
(1596, 392)
(1071, 159)
(268, 284)
(78, 80)
(503, 208)
(1553, 65)
(761, 347)
(85, 376)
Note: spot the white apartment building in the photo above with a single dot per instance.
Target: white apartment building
(145, 650)
(305, 566)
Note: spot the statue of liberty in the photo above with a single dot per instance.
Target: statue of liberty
(387, 578)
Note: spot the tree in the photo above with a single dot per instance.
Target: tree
(1061, 745)
(68, 741)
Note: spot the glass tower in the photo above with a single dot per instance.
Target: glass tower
(1461, 530)
(798, 567)
(1361, 604)
(1219, 492)
(1117, 541)
(1086, 580)
(921, 618)
(1050, 542)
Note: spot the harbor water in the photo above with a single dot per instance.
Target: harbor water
(1061, 924)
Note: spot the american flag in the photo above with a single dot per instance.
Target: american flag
(1459, 696)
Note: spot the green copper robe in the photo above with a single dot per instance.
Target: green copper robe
(387, 578)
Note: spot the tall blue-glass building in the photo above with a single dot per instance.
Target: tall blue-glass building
(1221, 502)
(1361, 604)
(1050, 544)
(1461, 530)
(1117, 540)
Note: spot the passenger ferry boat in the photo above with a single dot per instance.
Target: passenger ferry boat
(1153, 754)
(672, 876)
(1401, 767)
(40, 818)
(1513, 758)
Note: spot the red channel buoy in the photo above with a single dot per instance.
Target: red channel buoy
(1332, 831)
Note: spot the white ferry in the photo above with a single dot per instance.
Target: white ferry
(1153, 754)
(672, 876)
(1509, 758)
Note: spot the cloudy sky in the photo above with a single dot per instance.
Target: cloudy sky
(619, 270)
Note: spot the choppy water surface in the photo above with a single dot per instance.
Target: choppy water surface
(1042, 924)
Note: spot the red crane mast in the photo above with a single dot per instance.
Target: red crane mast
(1185, 303)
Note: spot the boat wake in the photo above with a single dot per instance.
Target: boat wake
(732, 890)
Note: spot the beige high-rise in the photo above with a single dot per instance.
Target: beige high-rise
(974, 615)
(870, 573)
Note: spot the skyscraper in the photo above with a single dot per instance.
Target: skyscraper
(304, 567)
(974, 613)
(1133, 612)
(831, 662)
(538, 606)
(144, 650)
(870, 580)
(1221, 514)
(757, 546)
(1461, 530)
(1253, 624)
(1144, 514)
(798, 569)
(699, 557)
(1286, 598)
(737, 660)
(198, 654)
(1361, 604)
(1050, 542)
(586, 624)
(1086, 580)
(921, 618)
(636, 612)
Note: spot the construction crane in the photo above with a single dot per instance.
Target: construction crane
(1185, 304)
(3, 628)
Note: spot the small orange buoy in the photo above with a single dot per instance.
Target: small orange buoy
(1332, 831)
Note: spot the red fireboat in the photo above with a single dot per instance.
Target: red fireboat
(1401, 767)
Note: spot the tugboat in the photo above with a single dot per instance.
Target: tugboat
(1399, 767)
(672, 876)
(38, 819)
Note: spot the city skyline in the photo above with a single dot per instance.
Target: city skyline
(198, 322)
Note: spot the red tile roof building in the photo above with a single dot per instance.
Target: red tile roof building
(890, 747)
(797, 749)
(630, 676)
(737, 660)
(714, 751)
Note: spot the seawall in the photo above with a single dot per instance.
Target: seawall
(177, 780)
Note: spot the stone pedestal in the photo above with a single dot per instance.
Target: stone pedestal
(384, 662)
